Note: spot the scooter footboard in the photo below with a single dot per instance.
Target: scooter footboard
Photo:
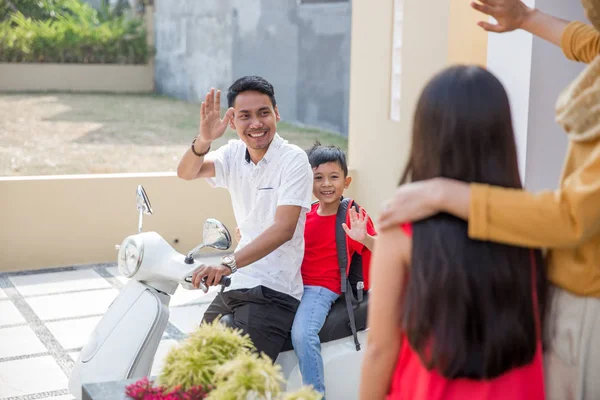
(125, 340)
(342, 366)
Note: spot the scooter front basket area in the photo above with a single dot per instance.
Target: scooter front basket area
(125, 340)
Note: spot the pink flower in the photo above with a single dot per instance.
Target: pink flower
(143, 390)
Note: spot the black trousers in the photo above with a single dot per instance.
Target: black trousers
(264, 314)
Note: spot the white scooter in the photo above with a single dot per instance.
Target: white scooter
(123, 344)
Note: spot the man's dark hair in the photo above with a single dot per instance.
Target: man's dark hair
(320, 154)
(247, 83)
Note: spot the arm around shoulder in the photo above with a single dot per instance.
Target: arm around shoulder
(565, 217)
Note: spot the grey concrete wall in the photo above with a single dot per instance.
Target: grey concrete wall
(551, 72)
(303, 50)
(98, 3)
(94, 3)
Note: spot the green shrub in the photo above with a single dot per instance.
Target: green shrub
(69, 31)
(222, 361)
(196, 360)
(34, 9)
(248, 376)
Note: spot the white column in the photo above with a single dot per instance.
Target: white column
(551, 74)
(509, 58)
(534, 72)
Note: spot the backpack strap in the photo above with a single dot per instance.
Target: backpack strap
(342, 251)
(341, 243)
(350, 309)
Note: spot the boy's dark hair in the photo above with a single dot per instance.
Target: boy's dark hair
(247, 83)
(468, 310)
(320, 154)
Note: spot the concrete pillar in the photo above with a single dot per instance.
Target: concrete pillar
(467, 42)
(378, 146)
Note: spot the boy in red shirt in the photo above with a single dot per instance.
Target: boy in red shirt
(320, 268)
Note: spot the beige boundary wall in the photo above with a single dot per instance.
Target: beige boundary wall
(109, 78)
(65, 220)
(23, 77)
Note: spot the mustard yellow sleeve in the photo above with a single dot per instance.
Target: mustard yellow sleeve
(561, 218)
(580, 42)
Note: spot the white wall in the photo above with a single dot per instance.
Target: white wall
(509, 58)
(534, 72)
(551, 73)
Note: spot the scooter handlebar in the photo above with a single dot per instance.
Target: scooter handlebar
(225, 281)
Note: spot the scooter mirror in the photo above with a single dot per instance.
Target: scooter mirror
(216, 235)
(143, 205)
(143, 202)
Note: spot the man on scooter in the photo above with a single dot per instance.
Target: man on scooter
(270, 183)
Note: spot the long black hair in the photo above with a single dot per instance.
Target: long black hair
(468, 308)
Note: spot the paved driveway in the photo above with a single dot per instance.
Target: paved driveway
(46, 317)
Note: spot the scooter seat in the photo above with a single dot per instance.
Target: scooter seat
(337, 324)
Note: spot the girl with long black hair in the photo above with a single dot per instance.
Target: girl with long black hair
(451, 317)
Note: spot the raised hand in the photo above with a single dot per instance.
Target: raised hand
(211, 125)
(358, 225)
(509, 14)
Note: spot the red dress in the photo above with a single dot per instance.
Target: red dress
(412, 381)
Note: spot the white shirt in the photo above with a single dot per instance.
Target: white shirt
(282, 178)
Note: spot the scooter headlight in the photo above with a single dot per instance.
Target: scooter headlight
(131, 255)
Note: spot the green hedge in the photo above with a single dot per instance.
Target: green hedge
(69, 31)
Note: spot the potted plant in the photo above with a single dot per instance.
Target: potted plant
(217, 362)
